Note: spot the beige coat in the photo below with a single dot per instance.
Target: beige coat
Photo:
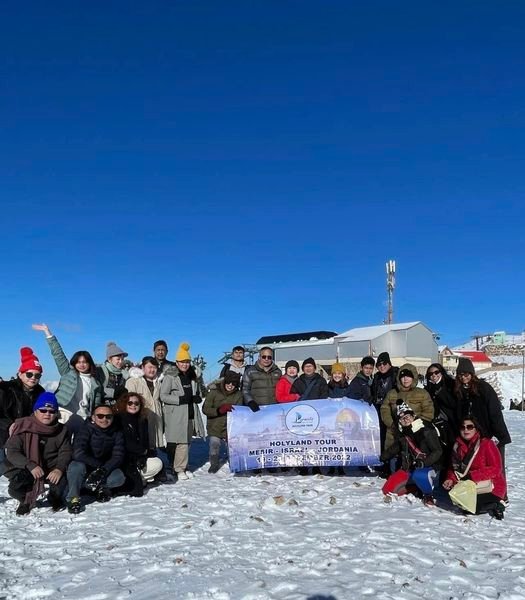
(153, 405)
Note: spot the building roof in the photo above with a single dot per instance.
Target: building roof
(474, 356)
(360, 334)
(305, 336)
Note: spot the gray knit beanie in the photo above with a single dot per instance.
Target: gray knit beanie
(113, 350)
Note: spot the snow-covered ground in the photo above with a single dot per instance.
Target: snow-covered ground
(264, 537)
(506, 383)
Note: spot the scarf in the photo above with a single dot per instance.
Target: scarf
(31, 429)
(112, 369)
(290, 379)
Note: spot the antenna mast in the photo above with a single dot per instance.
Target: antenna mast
(390, 285)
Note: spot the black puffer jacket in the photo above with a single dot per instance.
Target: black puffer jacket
(97, 447)
(15, 403)
(424, 437)
(359, 388)
(447, 410)
(382, 384)
(319, 389)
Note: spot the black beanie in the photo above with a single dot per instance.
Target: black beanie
(291, 363)
(406, 373)
(465, 366)
(308, 361)
(368, 360)
(384, 357)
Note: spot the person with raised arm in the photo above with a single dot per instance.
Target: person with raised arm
(78, 390)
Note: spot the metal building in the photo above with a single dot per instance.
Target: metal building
(405, 342)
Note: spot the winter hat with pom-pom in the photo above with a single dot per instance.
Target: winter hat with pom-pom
(29, 362)
(183, 352)
(403, 408)
(113, 350)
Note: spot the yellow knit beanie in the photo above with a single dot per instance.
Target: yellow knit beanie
(338, 368)
(182, 352)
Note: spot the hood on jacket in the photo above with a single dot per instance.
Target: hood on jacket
(413, 370)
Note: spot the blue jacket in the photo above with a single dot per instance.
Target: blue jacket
(97, 447)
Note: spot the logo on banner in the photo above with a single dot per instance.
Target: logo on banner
(302, 419)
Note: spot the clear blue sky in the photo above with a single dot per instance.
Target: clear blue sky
(218, 171)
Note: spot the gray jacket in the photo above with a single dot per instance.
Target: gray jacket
(178, 428)
(70, 380)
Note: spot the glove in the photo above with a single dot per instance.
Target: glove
(141, 462)
(225, 408)
(197, 399)
(254, 407)
(95, 479)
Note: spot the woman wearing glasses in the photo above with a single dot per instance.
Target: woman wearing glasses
(78, 391)
(38, 451)
(477, 398)
(440, 386)
(476, 457)
(140, 465)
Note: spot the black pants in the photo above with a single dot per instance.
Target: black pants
(21, 482)
(486, 502)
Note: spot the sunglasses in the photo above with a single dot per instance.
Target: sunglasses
(267, 356)
(468, 427)
(131, 403)
(430, 373)
(47, 411)
(103, 416)
(30, 375)
(465, 374)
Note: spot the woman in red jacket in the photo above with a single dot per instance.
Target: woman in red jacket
(282, 389)
(472, 447)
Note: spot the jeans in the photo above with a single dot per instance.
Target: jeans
(76, 474)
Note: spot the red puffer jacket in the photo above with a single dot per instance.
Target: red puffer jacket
(282, 391)
(486, 463)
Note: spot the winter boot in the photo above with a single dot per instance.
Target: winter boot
(103, 495)
(428, 500)
(56, 501)
(214, 463)
(498, 511)
(74, 506)
(23, 509)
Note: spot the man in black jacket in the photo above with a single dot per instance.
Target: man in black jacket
(310, 385)
(384, 381)
(360, 386)
(18, 396)
(98, 451)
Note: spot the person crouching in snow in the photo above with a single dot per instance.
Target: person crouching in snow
(420, 453)
(476, 457)
(140, 463)
(98, 452)
(38, 450)
(220, 400)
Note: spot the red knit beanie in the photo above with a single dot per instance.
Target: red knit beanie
(29, 361)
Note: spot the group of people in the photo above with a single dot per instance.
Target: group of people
(443, 430)
(111, 430)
